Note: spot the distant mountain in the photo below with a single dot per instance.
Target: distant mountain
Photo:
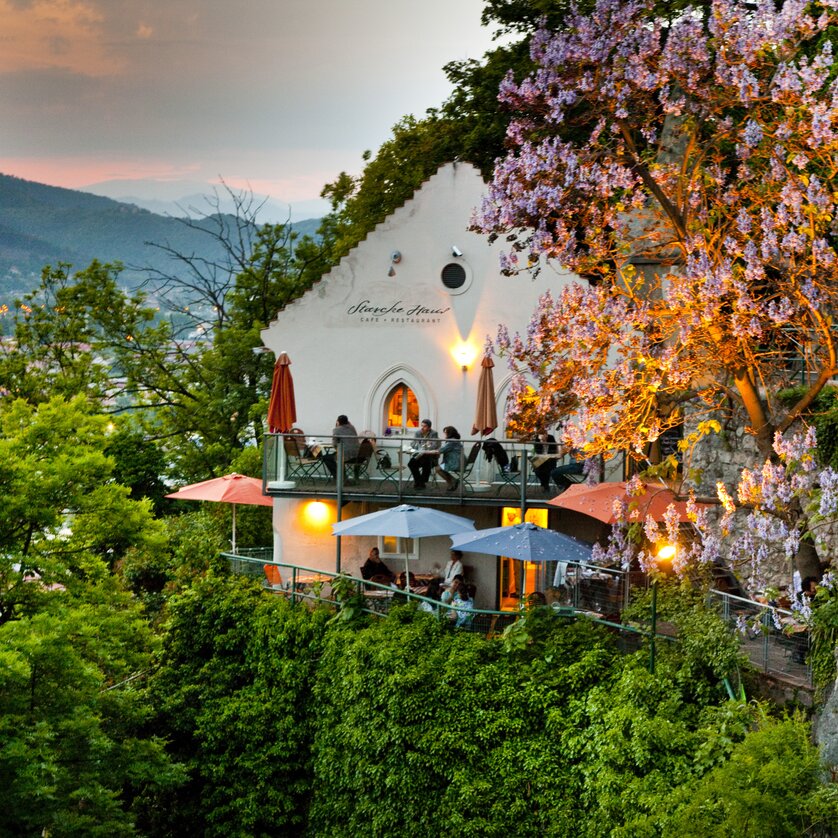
(41, 225)
(181, 197)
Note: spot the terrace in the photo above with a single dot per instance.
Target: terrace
(770, 638)
(294, 466)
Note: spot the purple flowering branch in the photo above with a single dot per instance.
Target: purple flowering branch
(685, 169)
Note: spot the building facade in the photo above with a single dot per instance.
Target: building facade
(395, 334)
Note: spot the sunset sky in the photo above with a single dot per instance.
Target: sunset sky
(278, 94)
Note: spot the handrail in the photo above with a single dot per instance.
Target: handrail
(439, 607)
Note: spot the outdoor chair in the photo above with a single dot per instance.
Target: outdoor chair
(272, 576)
(301, 465)
(361, 463)
(389, 470)
(506, 477)
(468, 467)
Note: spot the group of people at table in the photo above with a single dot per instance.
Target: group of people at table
(444, 456)
(449, 591)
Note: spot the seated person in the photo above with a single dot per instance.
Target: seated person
(451, 455)
(374, 570)
(425, 450)
(536, 599)
(345, 435)
(400, 586)
(448, 594)
(434, 592)
(463, 605)
(453, 569)
(546, 453)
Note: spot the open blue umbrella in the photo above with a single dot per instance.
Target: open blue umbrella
(527, 542)
(404, 521)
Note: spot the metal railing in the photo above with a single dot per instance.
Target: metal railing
(774, 641)
(306, 583)
(488, 469)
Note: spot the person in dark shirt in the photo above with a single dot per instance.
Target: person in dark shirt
(344, 435)
(546, 451)
(374, 570)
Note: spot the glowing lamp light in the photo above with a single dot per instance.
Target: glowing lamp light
(464, 354)
(666, 552)
(317, 514)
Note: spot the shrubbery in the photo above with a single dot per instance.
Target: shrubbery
(293, 722)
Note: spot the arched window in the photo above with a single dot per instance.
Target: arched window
(401, 408)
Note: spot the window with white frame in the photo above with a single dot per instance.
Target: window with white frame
(392, 547)
(401, 409)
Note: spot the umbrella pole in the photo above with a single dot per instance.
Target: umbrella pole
(339, 476)
(523, 475)
(234, 528)
(283, 460)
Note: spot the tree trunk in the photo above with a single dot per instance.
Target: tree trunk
(807, 561)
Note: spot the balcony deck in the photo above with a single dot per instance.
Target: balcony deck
(481, 484)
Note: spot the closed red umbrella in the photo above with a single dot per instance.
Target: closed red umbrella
(231, 488)
(486, 418)
(598, 501)
(282, 409)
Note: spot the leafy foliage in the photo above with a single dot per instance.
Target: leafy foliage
(233, 695)
(74, 755)
(683, 167)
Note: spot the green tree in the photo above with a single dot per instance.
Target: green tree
(73, 755)
(62, 517)
(769, 787)
(233, 696)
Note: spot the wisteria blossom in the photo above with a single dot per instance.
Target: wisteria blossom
(778, 506)
(687, 169)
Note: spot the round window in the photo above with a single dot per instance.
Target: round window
(454, 277)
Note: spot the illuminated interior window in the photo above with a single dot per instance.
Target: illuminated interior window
(401, 408)
(519, 579)
(393, 547)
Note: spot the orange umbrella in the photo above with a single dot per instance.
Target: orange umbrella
(598, 501)
(282, 409)
(486, 419)
(231, 488)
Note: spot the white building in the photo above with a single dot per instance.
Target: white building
(394, 334)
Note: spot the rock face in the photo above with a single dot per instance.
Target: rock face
(826, 731)
(721, 458)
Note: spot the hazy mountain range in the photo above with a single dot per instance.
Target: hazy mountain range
(43, 225)
(182, 197)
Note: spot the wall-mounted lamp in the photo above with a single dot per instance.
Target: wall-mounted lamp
(396, 257)
(464, 354)
(317, 515)
(455, 251)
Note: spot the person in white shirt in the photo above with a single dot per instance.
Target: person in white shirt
(453, 568)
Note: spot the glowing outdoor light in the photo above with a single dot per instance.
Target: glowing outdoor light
(317, 514)
(464, 354)
(666, 552)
